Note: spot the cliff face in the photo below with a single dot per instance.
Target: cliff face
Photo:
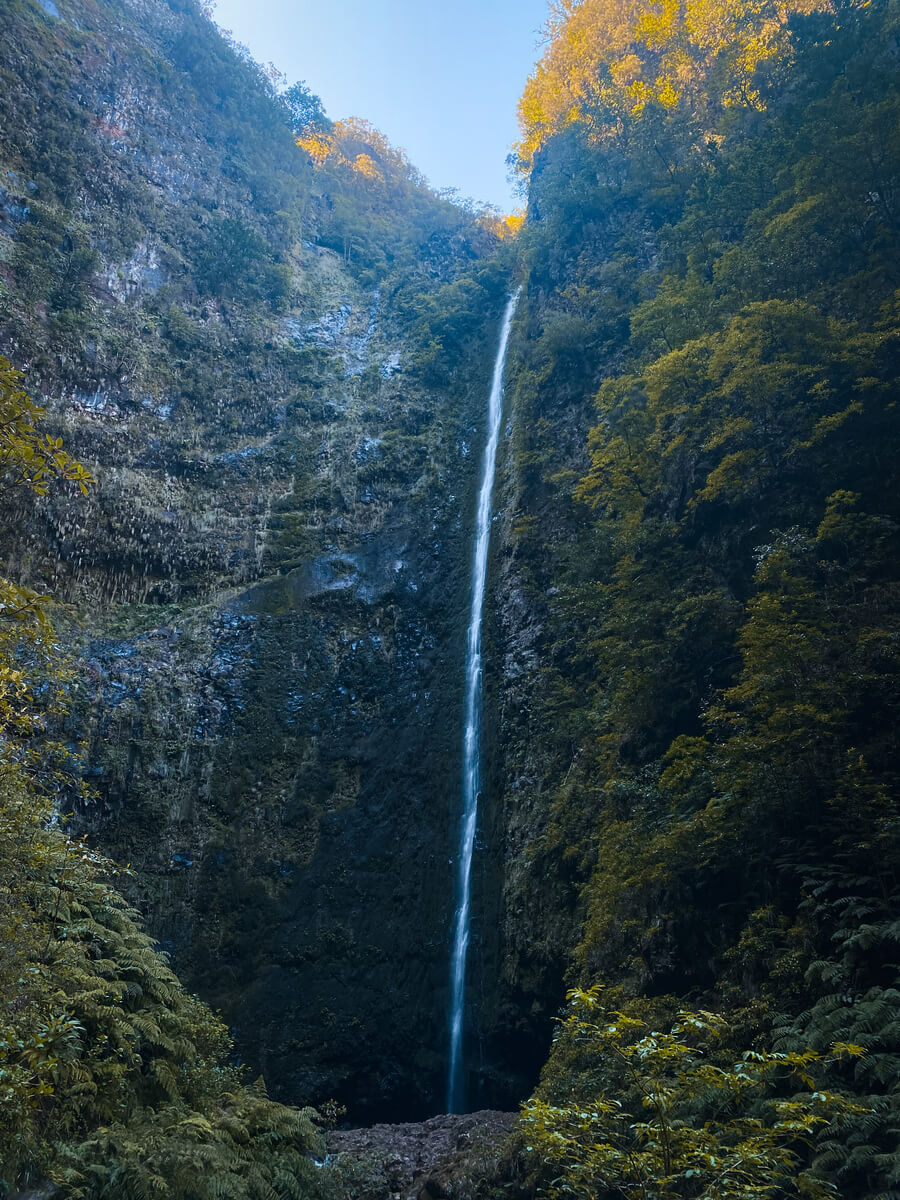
(697, 563)
(268, 586)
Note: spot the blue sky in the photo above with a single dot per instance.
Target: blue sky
(439, 79)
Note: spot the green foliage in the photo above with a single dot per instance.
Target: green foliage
(81, 204)
(247, 1147)
(304, 107)
(439, 321)
(53, 258)
(654, 1115)
(114, 1080)
(380, 213)
(26, 455)
(717, 560)
(235, 262)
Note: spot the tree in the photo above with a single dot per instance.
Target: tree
(304, 107)
(234, 262)
(610, 60)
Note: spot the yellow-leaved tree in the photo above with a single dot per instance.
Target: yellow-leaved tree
(607, 59)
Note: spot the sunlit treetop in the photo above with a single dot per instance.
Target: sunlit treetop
(502, 225)
(361, 161)
(362, 148)
(608, 59)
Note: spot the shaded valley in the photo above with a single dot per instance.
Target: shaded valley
(241, 510)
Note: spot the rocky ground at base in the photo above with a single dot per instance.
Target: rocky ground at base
(448, 1157)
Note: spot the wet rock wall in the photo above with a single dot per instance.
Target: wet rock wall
(266, 592)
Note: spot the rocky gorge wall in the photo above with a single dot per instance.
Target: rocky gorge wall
(267, 588)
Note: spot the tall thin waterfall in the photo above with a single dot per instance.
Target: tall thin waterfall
(471, 779)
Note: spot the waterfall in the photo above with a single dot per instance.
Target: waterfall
(471, 776)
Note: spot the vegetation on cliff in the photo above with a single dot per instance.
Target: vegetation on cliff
(114, 1081)
(716, 263)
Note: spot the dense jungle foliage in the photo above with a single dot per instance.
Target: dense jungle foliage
(711, 250)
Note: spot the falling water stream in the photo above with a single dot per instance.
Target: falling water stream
(471, 777)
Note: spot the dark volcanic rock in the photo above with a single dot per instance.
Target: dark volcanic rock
(269, 581)
(444, 1158)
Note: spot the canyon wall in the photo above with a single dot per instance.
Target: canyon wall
(278, 375)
